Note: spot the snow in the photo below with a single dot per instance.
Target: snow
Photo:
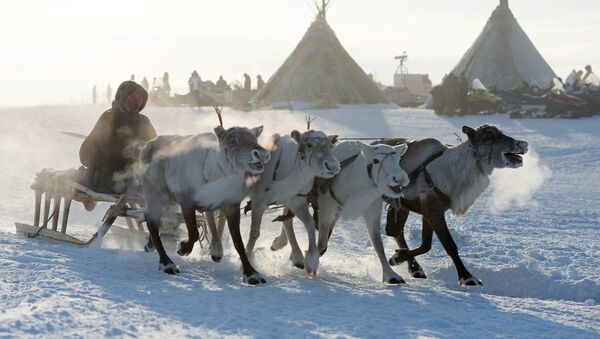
(533, 239)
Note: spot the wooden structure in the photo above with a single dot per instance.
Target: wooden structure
(56, 187)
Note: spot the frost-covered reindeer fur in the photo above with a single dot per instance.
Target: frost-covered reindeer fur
(201, 172)
(357, 190)
(458, 177)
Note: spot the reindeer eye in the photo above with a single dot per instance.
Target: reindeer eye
(309, 145)
(376, 161)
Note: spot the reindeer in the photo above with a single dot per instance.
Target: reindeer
(445, 178)
(202, 172)
(368, 173)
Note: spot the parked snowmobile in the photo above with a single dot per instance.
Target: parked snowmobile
(481, 101)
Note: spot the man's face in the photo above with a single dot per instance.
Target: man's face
(136, 101)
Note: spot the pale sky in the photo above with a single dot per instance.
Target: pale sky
(54, 51)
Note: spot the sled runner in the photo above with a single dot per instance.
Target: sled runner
(56, 187)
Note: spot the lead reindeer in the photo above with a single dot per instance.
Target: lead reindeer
(368, 173)
(445, 178)
(202, 172)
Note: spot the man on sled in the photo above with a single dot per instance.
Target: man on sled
(111, 149)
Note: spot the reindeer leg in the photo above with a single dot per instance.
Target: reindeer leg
(281, 240)
(290, 236)
(258, 209)
(221, 224)
(328, 215)
(397, 219)
(372, 217)
(216, 246)
(185, 247)
(251, 276)
(405, 254)
(435, 217)
(165, 263)
(300, 208)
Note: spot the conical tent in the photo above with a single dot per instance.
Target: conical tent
(503, 56)
(319, 68)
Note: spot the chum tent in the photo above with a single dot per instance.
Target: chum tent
(320, 68)
(503, 56)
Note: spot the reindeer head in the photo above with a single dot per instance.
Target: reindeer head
(494, 149)
(241, 148)
(315, 149)
(385, 171)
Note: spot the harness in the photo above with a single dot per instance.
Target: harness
(349, 161)
(422, 169)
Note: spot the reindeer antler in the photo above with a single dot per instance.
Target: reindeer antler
(218, 111)
(309, 121)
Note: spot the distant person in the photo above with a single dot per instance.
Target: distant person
(166, 84)
(259, 82)
(94, 95)
(115, 141)
(247, 82)
(132, 78)
(588, 72)
(109, 94)
(578, 83)
(194, 83)
(450, 85)
(222, 84)
(439, 99)
(145, 84)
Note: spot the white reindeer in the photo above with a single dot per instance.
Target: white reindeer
(201, 172)
(368, 174)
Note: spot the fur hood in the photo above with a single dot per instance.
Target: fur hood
(124, 91)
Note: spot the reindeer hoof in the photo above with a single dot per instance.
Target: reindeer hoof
(419, 274)
(183, 249)
(169, 268)
(415, 270)
(399, 257)
(322, 252)
(470, 282)
(278, 243)
(254, 279)
(395, 281)
(148, 248)
(216, 258)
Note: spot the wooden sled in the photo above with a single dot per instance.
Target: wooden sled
(54, 187)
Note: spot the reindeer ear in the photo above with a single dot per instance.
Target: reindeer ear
(220, 132)
(333, 139)
(469, 132)
(257, 131)
(401, 149)
(296, 135)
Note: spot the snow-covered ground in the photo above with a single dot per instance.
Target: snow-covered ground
(533, 238)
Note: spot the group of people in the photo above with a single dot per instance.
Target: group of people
(108, 94)
(160, 90)
(195, 83)
(456, 96)
(451, 96)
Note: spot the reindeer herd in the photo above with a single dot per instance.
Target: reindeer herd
(215, 172)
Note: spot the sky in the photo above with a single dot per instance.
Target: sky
(54, 52)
